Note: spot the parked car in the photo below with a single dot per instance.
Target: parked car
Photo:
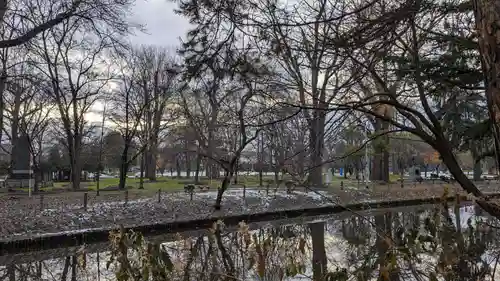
(490, 177)
(138, 175)
(102, 176)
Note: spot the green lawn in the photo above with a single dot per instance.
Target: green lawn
(169, 184)
(161, 183)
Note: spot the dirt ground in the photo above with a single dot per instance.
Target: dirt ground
(23, 216)
(21, 200)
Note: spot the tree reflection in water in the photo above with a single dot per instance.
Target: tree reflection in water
(424, 245)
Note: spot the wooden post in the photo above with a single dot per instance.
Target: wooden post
(191, 195)
(41, 202)
(244, 191)
(126, 197)
(159, 195)
(85, 199)
(341, 185)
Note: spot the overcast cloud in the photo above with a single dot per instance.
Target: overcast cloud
(164, 27)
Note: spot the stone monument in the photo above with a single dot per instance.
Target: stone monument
(328, 177)
(20, 169)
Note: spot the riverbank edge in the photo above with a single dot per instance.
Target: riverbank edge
(76, 238)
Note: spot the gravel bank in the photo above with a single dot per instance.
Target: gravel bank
(24, 219)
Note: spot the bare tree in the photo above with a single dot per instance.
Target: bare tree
(34, 20)
(309, 66)
(10, 59)
(34, 126)
(127, 113)
(23, 21)
(77, 73)
(226, 110)
(157, 76)
(228, 156)
(27, 112)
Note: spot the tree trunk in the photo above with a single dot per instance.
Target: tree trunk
(316, 143)
(123, 167)
(39, 270)
(64, 275)
(302, 159)
(451, 162)
(76, 172)
(151, 164)
(178, 166)
(477, 170)
(385, 160)
(380, 160)
(319, 261)
(123, 175)
(276, 179)
(143, 163)
(212, 166)
(375, 173)
(214, 169)
(14, 126)
(487, 17)
(73, 268)
(37, 173)
(395, 167)
(261, 180)
(197, 172)
(225, 184)
(401, 168)
(236, 173)
(3, 78)
(260, 157)
(74, 143)
(188, 164)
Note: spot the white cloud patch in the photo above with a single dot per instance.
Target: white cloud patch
(163, 26)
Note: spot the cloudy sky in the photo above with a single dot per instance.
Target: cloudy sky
(164, 27)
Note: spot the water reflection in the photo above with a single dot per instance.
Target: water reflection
(438, 243)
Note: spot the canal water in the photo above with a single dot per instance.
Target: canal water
(428, 242)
